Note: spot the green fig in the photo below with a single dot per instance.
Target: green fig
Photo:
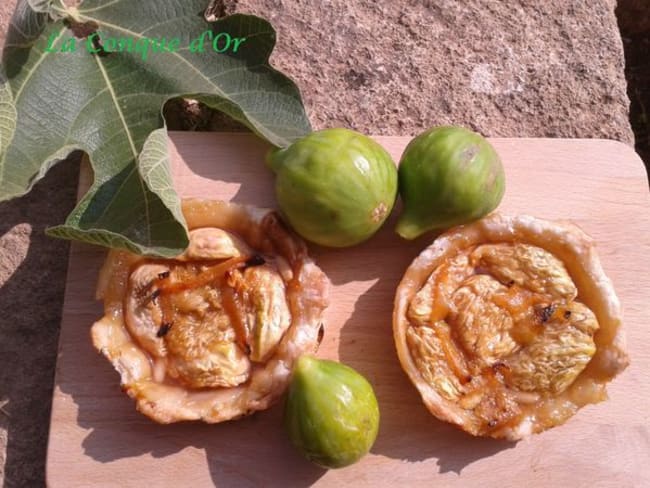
(331, 413)
(335, 187)
(447, 176)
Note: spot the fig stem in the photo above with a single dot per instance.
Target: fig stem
(272, 162)
(408, 230)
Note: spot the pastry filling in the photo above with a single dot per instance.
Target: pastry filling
(500, 330)
(209, 316)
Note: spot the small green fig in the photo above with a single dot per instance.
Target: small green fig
(447, 176)
(335, 187)
(331, 413)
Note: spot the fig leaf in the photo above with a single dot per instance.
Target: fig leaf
(62, 89)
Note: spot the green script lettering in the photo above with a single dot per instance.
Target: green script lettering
(50, 43)
(69, 46)
(142, 47)
(197, 45)
(125, 44)
(109, 44)
(90, 43)
(174, 45)
(237, 41)
(157, 45)
(215, 43)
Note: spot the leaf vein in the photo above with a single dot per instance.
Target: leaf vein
(33, 69)
(111, 90)
(99, 7)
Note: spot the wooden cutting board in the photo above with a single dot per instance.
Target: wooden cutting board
(98, 439)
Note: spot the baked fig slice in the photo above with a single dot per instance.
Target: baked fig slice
(507, 326)
(212, 334)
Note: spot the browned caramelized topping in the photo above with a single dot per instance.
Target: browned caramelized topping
(211, 274)
(256, 260)
(497, 324)
(546, 312)
(164, 328)
(227, 308)
(233, 309)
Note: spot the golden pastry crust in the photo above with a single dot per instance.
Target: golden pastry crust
(212, 334)
(507, 326)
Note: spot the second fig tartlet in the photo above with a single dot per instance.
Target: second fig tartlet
(507, 326)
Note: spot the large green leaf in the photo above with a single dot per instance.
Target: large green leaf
(109, 105)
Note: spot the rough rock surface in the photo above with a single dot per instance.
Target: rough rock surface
(521, 68)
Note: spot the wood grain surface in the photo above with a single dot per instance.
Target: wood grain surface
(98, 439)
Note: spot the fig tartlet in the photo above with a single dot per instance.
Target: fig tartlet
(507, 326)
(212, 334)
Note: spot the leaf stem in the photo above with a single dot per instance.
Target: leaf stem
(71, 12)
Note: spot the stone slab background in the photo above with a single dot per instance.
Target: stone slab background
(518, 68)
(634, 23)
